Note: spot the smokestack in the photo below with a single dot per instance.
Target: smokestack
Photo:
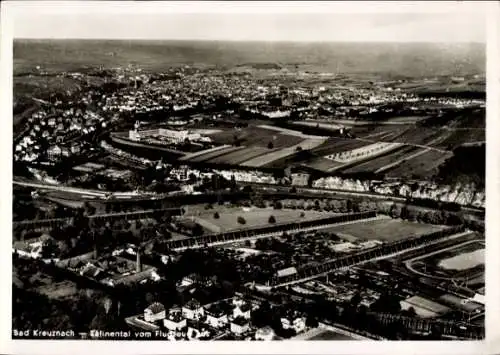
(138, 265)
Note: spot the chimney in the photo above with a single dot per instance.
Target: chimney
(138, 265)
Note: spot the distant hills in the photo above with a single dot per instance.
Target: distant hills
(390, 59)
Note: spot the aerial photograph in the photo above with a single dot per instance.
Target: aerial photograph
(249, 177)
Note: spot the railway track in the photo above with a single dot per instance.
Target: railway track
(386, 251)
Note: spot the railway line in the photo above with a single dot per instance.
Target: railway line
(302, 191)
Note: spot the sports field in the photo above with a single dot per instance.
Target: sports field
(383, 229)
(254, 217)
(465, 260)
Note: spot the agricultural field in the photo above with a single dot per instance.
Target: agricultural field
(337, 145)
(464, 260)
(254, 217)
(383, 229)
(421, 166)
(382, 161)
(240, 156)
(212, 154)
(323, 164)
(270, 158)
(419, 135)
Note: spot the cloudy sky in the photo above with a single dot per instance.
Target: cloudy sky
(253, 24)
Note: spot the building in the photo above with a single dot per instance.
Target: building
(174, 321)
(216, 317)
(54, 152)
(32, 248)
(173, 136)
(154, 312)
(266, 334)
(243, 310)
(240, 326)
(298, 323)
(193, 310)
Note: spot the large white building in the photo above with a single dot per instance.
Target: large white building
(175, 136)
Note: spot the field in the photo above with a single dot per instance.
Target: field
(458, 137)
(383, 229)
(241, 156)
(379, 162)
(255, 217)
(270, 158)
(323, 164)
(422, 166)
(464, 260)
(256, 136)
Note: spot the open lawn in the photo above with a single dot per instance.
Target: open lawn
(255, 217)
(335, 145)
(383, 229)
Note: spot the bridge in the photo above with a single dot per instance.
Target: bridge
(453, 329)
(267, 231)
(388, 250)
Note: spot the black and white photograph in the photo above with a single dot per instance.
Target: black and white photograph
(247, 176)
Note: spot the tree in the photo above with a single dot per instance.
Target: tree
(302, 214)
(241, 220)
(278, 205)
(270, 145)
(272, 219)
(216, 215)
(311, 321)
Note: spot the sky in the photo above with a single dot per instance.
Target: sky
(257, 26)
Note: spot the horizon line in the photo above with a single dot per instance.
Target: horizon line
(242, 40)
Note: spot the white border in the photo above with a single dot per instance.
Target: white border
(491, 345)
